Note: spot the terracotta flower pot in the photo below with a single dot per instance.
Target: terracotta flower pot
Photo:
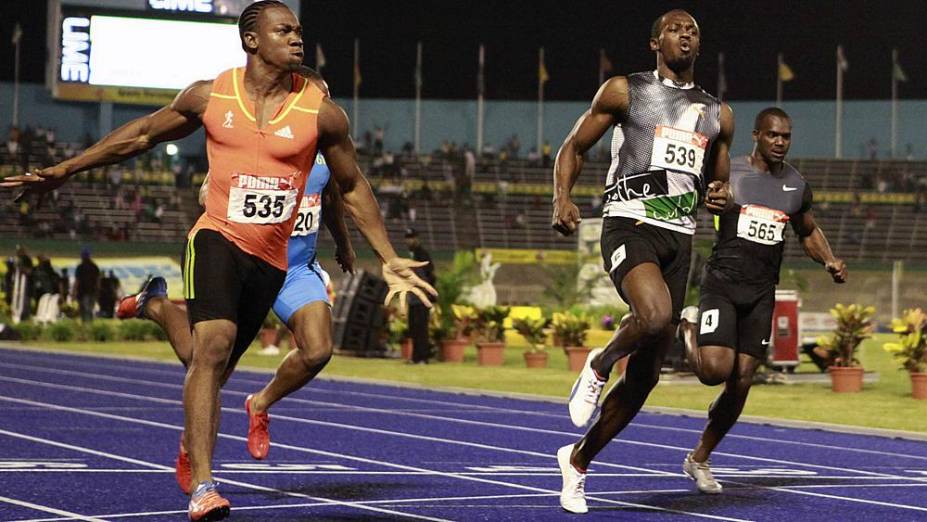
(405, 349)
(576, 356)
(452, 350)
(919, 385)
(267, 336)
(846, 380)
(536, 359)
(490, 354)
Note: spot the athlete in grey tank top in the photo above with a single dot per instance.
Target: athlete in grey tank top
(670, 139)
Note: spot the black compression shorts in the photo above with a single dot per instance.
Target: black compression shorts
(735, 315)
(627, 243)
(223, 282)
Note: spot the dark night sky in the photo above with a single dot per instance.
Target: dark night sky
(750, 33)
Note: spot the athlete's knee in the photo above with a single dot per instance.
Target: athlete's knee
(653, 321)
(212, 351)
(315, 349)
(714, 372)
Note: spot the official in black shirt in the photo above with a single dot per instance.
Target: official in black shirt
(418, 312)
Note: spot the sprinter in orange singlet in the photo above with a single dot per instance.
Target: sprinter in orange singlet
(264, 123)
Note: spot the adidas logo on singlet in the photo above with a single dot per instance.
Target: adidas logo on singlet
(285, 133)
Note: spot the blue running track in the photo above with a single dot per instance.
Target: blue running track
(88, 438)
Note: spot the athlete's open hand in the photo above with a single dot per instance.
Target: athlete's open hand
(36, 181)
(718, 197)
(837, 270)
(566, 216)
(345, 257)
(402, 279)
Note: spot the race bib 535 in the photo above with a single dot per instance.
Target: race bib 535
(261, 200)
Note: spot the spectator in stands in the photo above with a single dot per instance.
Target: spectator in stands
(86, 285)
(872, 148)
(159, 212)
(534, 157)
(418, 312)
(514, 146)
(909, 152)
(64, 286)
(20, 283)
(25, 213)
(378, 135)
(45, 279)
(545, 154)
(109, 295)
(469, 165)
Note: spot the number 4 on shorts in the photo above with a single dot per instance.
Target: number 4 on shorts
(709, 321)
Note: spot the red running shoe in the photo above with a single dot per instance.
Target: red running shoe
(258, 434)
(182, 471)
(133, 306)
(206, 504)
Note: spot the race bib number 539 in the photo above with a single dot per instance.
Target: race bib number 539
(679, 150)
(761, 225)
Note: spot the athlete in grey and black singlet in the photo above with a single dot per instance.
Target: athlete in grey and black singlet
(659, 152)
(728, 335)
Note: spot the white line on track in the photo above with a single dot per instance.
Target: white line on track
(333, 455)
(442, 405)
(46, 509)
(450, 419)
(153, 465)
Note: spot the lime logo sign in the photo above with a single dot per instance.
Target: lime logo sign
(75, 49)
(193, 6)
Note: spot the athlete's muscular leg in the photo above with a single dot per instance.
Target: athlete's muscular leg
(311, 325)
(625, 399)
(650, 330)
(712, 365)
(651, 315)
(212, 346)
(726, 409)
(173, 320)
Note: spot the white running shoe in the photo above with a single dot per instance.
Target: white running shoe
(270, 349)
(700, 472)
(584, 398)
(690, 314)
(573, 492)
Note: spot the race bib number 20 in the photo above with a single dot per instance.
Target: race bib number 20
(678, 150)
(761, 225)
(307, 219)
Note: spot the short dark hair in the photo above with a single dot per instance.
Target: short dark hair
(247, 21)
(657, 26)
(769, 111)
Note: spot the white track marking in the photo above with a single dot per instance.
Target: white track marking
(46, 509)
(443, 404)
(462, 421)
(153, 465)
(332, 455)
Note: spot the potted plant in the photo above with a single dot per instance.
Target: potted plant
(399, 335)
(571, 328)
(911, 348)
(533, 332)
(490, 349)
(854, 325)
(458, 326)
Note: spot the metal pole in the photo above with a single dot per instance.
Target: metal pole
(540, 102)
(894, 105)
(16, 85)
(418, 98)
(354, 106)
(838, 120)
(779, 80)
(479, 104)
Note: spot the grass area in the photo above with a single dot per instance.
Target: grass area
(886, 404)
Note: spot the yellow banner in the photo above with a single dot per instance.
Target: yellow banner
(513, 256)
(132, 271)
(130, 95)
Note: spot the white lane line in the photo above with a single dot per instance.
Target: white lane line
(460, 421)
(443, 404)
(145, 398)
(822, 486)
(334, 455)
(837, 497)
(153, 465)
(46, 509)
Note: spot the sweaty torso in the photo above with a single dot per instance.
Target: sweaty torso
(660, 152)
(258, 172)
(750, 237)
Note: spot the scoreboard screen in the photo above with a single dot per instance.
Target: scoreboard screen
(141, 51)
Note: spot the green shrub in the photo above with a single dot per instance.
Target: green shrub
(101, 331)
(137, 330)
(29, 331)
(62, 331)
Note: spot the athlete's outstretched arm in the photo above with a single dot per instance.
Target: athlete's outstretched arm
(718, 198)
(338, 148)
(333, 216)
(817, 247)
(609, 107)
(179, 119)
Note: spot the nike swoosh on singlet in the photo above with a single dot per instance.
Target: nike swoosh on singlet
(786, 188)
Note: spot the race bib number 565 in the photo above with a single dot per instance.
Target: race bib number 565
(761, 225)
(679, 150)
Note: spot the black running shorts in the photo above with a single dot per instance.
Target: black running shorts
(223, 282)
(735, 315)
(627, 243)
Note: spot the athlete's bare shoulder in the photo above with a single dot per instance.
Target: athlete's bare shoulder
(313, 76)
(333, 122)
(193, 100)
(612, 97)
